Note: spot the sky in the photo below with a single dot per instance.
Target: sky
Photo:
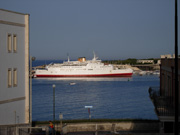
(113, 29)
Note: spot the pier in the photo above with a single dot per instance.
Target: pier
(148, 67)
(145, 67)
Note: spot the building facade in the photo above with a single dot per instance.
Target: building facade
(14, 68)
(145, 61)
(167, 56)
(164, 97)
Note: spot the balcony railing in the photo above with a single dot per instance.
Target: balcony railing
(154, 92)
(164, 105)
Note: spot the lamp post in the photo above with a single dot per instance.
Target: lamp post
(176, 125)
(54, 86)
(30, 91)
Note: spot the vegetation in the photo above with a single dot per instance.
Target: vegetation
(130, 61)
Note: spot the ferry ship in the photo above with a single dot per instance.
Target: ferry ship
(82, 68)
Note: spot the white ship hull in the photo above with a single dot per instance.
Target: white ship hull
(113, 73)
(82, 68)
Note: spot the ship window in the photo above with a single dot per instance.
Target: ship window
(9, 77)
(9, 43)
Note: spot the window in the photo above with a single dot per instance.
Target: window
(12, 43)
(9, 43)
(9, 77)
(12, 77)
(15, 77)
(15, 43)
(169, 86)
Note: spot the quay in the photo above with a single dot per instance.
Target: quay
(146, 67)
(133, 127)
(130, 127)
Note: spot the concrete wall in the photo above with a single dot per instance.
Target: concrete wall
(14, 100)
(13, 129)
(117, 126)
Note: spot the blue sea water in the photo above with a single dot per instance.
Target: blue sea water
(111, 98)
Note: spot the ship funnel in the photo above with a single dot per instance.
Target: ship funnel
(82, 59)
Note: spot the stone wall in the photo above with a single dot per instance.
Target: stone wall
(113, 127)
(12, 129)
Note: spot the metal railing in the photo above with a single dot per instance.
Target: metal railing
(8, 130)
(31, 131)
(20, 130)
(154, 92)
(164, 105)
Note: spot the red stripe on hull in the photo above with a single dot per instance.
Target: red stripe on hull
(101, 75)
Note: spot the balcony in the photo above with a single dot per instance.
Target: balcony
(164, 105)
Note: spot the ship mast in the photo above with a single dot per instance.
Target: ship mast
(68, 57)
(95, 58)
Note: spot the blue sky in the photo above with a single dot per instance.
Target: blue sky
(114, 29)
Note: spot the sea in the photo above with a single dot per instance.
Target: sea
(109, 98)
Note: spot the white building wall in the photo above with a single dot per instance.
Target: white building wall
(14, 100)
(166, 56)
(145, 61)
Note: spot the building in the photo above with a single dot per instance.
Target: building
(14, 68)
(164, 97)
(145, 61)
(167, 56)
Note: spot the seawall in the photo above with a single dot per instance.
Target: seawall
(143, 127)
(113, 127)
